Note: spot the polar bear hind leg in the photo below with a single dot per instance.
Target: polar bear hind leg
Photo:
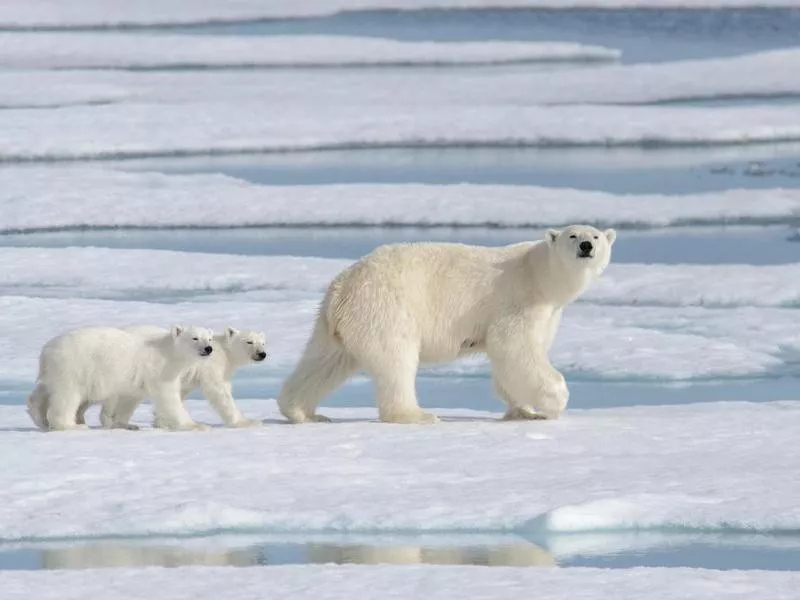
(37, 404)
(117, 415)
(324, 366)
(62, 409)
(394, 374)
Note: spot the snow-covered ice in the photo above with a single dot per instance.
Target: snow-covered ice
(103, 13)
(400, 583)
(85, 197)
(50, 290)
(152, 129)
(618, 469)
(698, 285)
(94, 50)
(22, 89)
(161, 275)
(760, 74)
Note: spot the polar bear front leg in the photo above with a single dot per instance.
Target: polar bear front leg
(170, 412)
(220, 396)
(522, 374)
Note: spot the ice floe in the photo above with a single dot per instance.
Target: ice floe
(71, 198)
(98, 13)
(594, 470)
(143, 51)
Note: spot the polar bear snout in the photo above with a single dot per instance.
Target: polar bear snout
(259, 356)
(206, 351)
(585, 249)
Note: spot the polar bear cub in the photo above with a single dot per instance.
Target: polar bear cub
(108, 364)
(233, 349)
(409, 304)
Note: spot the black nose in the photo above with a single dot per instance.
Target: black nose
(585, 246)
(261, 355)
(208, 349)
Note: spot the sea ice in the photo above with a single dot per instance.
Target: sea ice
(75, 197)
(119, 50)
(605, 469)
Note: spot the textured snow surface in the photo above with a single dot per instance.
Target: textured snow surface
(592, 470)
(759, 74)
(751, 75)
(164, 276)
(148, 129)
(737, 323)
(399, 583)
(114, 50)
(54, 13)
(77, 197)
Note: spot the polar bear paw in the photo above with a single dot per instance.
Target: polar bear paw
(295, 417)
(247, 423)
(126, 426)
(315, 418)
(69, 427)
(187, 426)
(415, 418)
(516, 413)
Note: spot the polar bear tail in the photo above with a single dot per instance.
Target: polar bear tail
(38, 402)
(324, 366)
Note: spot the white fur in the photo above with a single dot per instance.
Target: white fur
(410, 304)
(111, 365)
(233, 349)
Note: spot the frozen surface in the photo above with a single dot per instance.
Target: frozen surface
(160, 275)
(752, 75)
(89, 50)
(84, 197)
(400, 582)
(29, 90)
(98, 13)
(592, 470)
(49, 291)
(143, 129)
(698, 285)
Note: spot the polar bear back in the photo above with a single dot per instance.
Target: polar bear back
(101, 361)
(442, 294)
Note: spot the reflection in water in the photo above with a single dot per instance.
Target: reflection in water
(516, 555)
(609, 550)
(122, 554)
(90, 556)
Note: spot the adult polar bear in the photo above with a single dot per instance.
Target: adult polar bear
(109, 364)
(411, 304)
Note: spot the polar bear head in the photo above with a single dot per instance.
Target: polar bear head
(245, 346)
(192, 341)
(582, 245)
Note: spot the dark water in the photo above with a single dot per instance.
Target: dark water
(475, 392)
(618, 171)
(642, 34)
(706, 245)
(724, 552)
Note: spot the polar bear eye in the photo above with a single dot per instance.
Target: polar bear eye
(251, 343)
(595, 237)
(573, 236)
(194, 338)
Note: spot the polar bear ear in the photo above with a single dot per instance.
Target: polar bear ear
(551, 236)
(611, 235)
(230, 332)
(176, 331)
